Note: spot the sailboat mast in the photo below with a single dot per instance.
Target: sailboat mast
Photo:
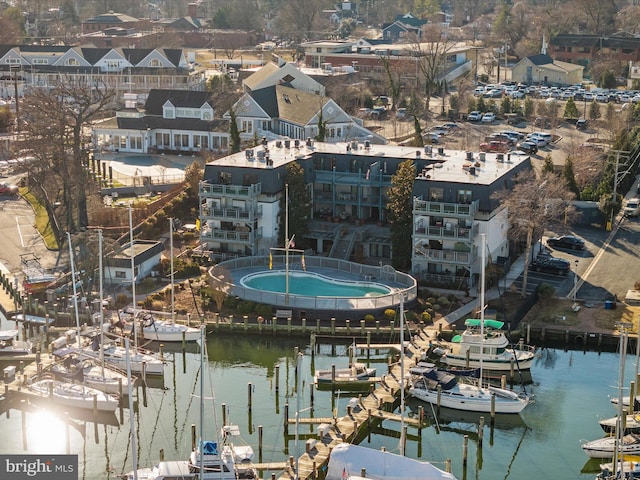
(100, 270)
(173, 298)
(75, 293)
(203, 346)
(132, 424)
(402, 439)
(133, 277)
(286, 239)
(482, 284)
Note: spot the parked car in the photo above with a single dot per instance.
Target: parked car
(501, 137)
(8, 189)
(451, 126)
(547, 264)
(581, 124)
(474, 116)
(494, 146)
(632, 207)
(528, 147)
(489, 117)
(568, 242)
(431, 137)
(364, 112)
(401, 113)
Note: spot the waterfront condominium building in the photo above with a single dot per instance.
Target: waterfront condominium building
(348, 184)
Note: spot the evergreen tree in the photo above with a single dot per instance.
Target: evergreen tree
(548, 166)
(529, 107)
(299, 205)
(234, 132)
(570, 109)
(570, 177)
(594, 110)
(400, 214)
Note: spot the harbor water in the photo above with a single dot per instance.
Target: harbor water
(571, 390)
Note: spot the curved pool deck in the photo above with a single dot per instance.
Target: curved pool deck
(401, 287)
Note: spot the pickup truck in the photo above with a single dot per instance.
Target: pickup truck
(547, 264)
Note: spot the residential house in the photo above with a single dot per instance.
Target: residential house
(281, 111)
(542, 69)
(271, 75)
(172, 121)
(349, 181)
(404, 28)
(126, 70)
(146, 258)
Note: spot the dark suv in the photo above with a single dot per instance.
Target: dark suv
(547, 264)
(568, 242)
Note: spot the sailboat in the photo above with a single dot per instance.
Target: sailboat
(159, 330)
(347, 461)
(620, 444)
(98, 374)
(442, 388)
(216, 461)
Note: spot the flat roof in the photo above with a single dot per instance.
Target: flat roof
(452, 165)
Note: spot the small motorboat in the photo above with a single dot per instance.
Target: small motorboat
(357, 372)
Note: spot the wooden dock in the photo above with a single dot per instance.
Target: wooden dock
(369, 411)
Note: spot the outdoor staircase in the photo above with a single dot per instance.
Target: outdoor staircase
(343, 245)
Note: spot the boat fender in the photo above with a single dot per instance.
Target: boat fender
(579, 339)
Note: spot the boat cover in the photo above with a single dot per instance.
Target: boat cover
(475, 322)
(346, 460)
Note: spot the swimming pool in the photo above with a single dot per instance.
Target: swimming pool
(312, 284)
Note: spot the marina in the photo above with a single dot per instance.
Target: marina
(261, 372)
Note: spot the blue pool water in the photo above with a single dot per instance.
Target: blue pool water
(313, 284)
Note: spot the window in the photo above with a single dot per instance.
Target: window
(201, 141)
(247, 126)
(155, 63)
(266, 125)
(436, 194)
(464, 196)
(181, 140)
(207, 115)
(169, 112)
(224, 178)
(40, 61)
(136, 142)
(120, 274)
(13, 61)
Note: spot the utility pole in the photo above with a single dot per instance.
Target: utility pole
(618, 154)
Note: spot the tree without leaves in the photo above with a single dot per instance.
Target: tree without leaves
(431, 53)
(400, 214)
(220, 283)
(59, 116)
(533, 205)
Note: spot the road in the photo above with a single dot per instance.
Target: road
(19, 235)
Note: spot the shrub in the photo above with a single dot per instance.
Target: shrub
(545, 291)
(431, 300)
(443, 301)
(368, 318)
(122, 300)
(636, 286)
(436, 307)
(390, 314)
(425, 317)
(411, 316)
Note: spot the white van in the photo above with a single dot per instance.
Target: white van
(541, 138)
(631, 208)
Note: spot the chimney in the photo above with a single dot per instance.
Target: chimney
(192, 9)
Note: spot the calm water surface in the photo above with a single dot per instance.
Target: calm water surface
(571, 388)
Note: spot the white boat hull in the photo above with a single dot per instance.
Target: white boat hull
(161, 331)
(105, 380)
(502, 363)
(139, 362)
(604, 447)
(470, 398)
(73, 395)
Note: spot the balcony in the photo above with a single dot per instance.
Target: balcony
(234, 236)
(231, 213)
(446, 232)
(446, 256)
(462, 210)
(217, 190)
(348, 178)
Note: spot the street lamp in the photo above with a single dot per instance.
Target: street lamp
(575, 283)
